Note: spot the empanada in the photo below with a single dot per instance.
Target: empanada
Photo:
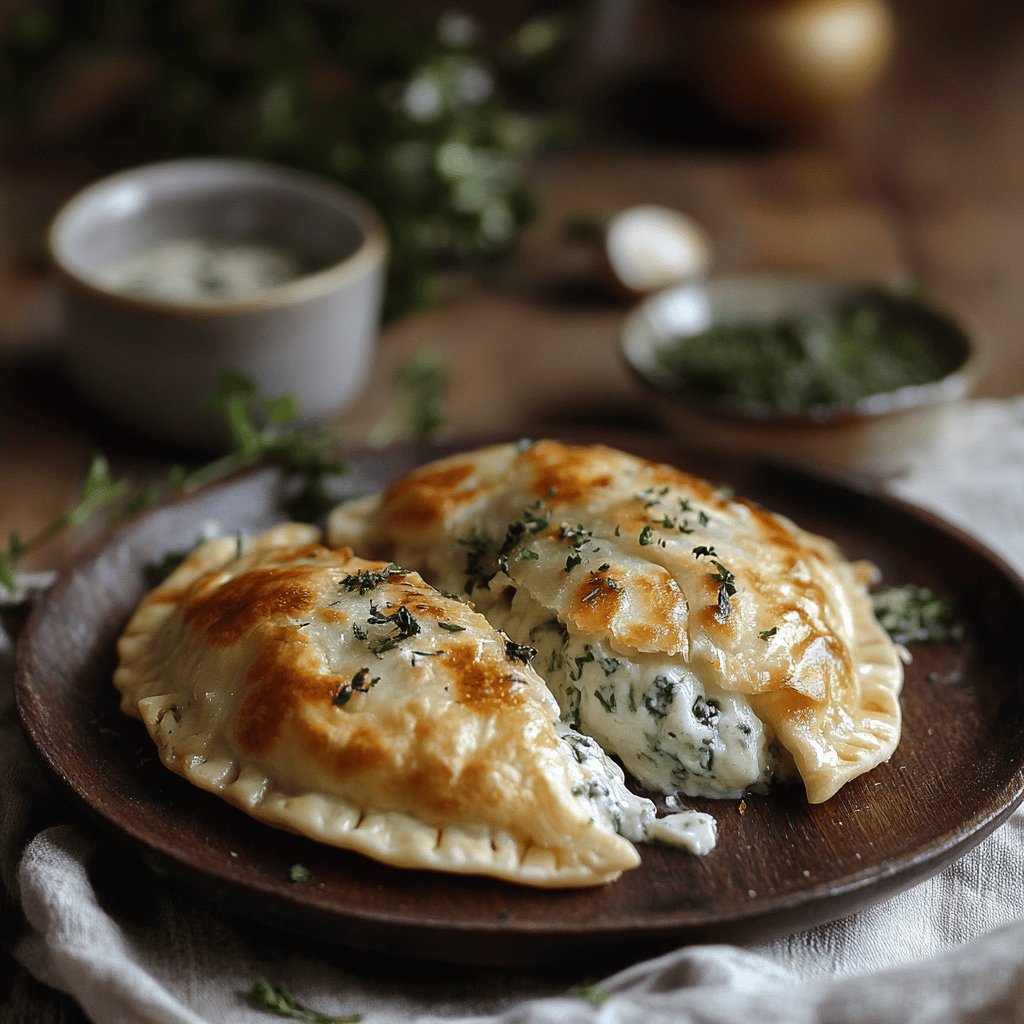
(348, 701)
(706, 642)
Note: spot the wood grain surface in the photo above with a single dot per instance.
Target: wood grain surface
(780, 865)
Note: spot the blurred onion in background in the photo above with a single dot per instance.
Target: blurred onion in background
(782, 67)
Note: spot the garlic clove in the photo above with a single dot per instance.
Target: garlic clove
(651, 247)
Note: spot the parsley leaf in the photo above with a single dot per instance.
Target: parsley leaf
(299, 874)
(364, 580)
(592, 993)
(281, 1001)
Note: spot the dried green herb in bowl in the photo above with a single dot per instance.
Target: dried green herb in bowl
(799, 362)
(822, 372)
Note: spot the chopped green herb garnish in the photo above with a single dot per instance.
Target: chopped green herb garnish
(281, 1001)
(426, 654)
(592, 993)
(361, 683)
(646, 536)
(767, 634)
(480, 569)
(514, 533)
(703, 551)
(403, 623)
(912, 614)
(795, 363)
(660, 695)
(519, 652)
(452, 627)
(726, 581)
(536, 516)
(576, 535)
(365, 580)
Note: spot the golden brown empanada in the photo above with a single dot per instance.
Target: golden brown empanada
(708, 643)
(348, 701)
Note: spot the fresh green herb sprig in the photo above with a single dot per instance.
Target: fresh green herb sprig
(282, 1002)
(263, 430)
(100, 491)
(418, 409)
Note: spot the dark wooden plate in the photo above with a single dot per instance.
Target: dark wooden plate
(781, 865)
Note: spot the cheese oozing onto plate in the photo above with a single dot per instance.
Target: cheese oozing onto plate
(709, 644)
(349, 701)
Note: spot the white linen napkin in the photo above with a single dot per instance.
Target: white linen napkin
(89, 920)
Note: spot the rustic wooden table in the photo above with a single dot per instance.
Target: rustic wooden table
(923, 186)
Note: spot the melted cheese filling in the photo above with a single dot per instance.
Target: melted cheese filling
(632, 816)
(672, 733)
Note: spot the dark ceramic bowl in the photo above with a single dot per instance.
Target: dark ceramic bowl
(877, 435)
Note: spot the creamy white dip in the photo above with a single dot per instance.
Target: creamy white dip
(202, 270)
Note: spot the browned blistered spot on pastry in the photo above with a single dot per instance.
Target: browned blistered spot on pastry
(774, 530)
(307, 551)
(562, 473)
(361, 751)
(483, 683)
(223, 614)
(424, 498)
(431, 786)
(659, 475)
(426, 602)
(790, 704)
(596, 601)
(334, 615)
(666, 627)
(285, 676)
(723, 627)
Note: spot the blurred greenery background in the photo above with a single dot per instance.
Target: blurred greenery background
(426, 113)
